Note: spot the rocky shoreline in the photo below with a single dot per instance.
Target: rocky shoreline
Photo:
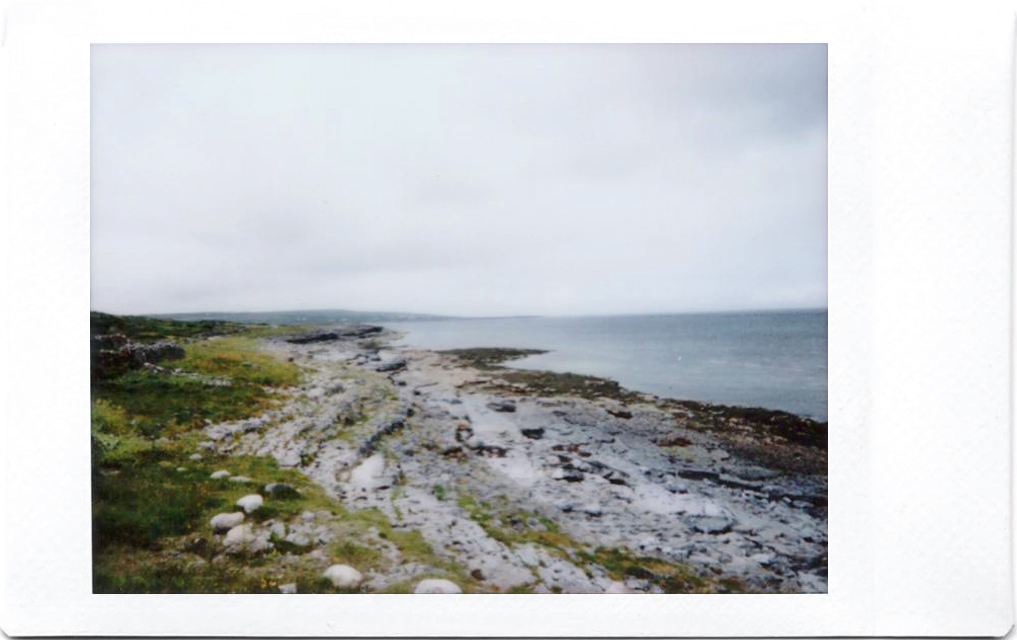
(537, 481)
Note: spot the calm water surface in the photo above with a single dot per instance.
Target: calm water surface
(776, 360)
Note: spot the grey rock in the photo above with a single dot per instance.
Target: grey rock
(503, 406)
(710, 524)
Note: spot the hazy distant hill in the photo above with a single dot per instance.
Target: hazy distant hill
(320, 316)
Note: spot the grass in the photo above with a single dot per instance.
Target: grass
(146, 513)
(240, 360)
(145, 329)
(155, 400)
(142, 329)
(143, 431)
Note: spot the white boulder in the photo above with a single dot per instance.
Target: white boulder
(435, 585)
(244, 539)
(195, 456)
(343, 576)
(221, 473)
(250, 503)
(226, 521)
(241, 479)
(288, 588)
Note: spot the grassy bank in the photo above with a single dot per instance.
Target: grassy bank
(147, 492)
(152, 499)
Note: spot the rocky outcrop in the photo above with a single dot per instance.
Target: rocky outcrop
(347, 333)
(528, 497)
(114, 354)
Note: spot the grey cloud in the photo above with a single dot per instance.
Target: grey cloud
(467, 179)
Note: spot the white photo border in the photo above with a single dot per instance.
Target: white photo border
(920, 152)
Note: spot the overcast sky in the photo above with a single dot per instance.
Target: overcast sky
(458, 179)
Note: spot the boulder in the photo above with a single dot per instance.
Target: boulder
(503, 406)
(533, 434)
(241, 479)
(317, 336)
(343, 576)
(436, 585)
(250, 503)
(288, 588)
(226, 521)
(195, 457)
(218, 475)
(243, 539)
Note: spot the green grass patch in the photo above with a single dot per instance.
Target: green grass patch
(157, 400)
(142, 329)
(151, 400)
(240, 360)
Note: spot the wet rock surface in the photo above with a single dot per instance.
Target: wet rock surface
(527, 489)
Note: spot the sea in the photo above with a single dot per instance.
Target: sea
(774, 360)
